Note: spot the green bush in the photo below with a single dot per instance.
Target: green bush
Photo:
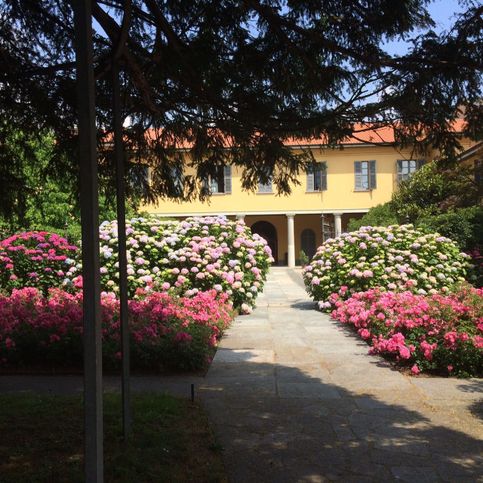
(462, 225)
(431, 191)
(380, 215)
(304, 259)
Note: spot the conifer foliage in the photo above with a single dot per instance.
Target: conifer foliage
(245, 74)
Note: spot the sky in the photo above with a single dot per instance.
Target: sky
(443, 13)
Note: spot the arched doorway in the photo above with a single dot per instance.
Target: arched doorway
(266, 230)
(307, 242)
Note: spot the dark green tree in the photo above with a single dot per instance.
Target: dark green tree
(433, 191)
(37, 198)
(245, 74)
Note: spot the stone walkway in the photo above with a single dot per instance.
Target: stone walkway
(295, 397)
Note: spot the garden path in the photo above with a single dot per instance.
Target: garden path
(295, 397)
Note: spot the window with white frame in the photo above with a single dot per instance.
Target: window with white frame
(317, 177)
(365, 175)
(220, 183)
(407, 167)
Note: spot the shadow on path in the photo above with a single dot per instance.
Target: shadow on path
(279, 424)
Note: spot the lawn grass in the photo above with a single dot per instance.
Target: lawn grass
(42, 440)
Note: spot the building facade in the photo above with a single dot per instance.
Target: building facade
(342, 184)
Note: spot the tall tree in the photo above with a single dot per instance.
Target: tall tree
(246, 74)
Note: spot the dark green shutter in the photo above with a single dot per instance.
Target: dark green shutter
(372, 175)
(310, 178)
(323, 176)
(399, 163)
(227, 178)
(358, 175)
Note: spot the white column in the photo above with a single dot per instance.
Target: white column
(338, 223)
(291, 240)
(240, 217)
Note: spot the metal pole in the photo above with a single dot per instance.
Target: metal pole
(94, 464)
(121, 236)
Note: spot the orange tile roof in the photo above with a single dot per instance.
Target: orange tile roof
(363, 134)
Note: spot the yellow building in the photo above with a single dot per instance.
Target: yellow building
(343, 184)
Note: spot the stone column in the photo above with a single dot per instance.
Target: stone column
(240, 217)
(338, 224)
(291, 240)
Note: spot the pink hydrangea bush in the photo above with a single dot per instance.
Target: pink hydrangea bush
(182, 333)
(35, 259)
(442, 333)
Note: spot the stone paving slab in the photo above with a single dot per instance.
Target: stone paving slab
(225, 355)
(315, 407)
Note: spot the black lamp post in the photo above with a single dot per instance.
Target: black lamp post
(89, 200)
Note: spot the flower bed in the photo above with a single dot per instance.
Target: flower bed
(179, 257)
(397, 258)
(35, 259)
(186, 257)
(442, 333)
(166, 332)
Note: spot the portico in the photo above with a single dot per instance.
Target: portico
(299, 230)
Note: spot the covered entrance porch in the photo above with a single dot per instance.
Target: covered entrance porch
(290, 234)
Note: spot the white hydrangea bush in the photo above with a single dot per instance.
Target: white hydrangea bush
(196, 254)
(396, 258)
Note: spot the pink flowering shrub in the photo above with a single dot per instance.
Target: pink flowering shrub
(442, 333)
(166, 332)
(35, 259)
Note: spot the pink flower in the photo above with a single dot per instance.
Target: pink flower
(415, 369)
(364, 333)
(404, 352)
